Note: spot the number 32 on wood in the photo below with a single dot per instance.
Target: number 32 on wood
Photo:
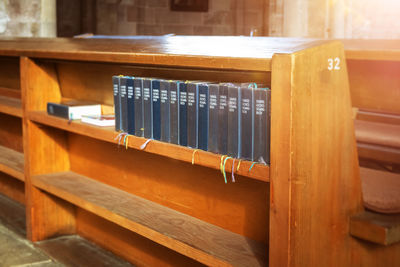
(334, 63)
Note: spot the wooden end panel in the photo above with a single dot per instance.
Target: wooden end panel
(189, 236)
(378, 228)
(126, 244)
(12, 188)
(375, 84)
(315, 183)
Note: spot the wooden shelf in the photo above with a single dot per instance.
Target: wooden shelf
(203, 158)
(10, 106)
(12, 163)
(378, 228)
(189, 236)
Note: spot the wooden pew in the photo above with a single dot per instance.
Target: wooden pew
(374, 77)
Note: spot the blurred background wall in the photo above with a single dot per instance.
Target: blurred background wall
(294, 18)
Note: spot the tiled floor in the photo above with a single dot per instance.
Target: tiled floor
(17, 251)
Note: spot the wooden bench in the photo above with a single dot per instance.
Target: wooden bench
(154, 207)
(374, 77)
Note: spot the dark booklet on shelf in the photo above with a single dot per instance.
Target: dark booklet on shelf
(117, 105)
(247, 121)
(213, 121)
(183, 114)
(124, 103)
(131, 105)
(223, 119)
(174, 112)
(262, 107)
(73, 109)
(138, 110)
(155, 89)
(234, 121)
(147, 109)
(164, 110)
(203, 117)
(192, 114)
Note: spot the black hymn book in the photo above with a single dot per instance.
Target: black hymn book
(192, 114)
(164, 110)
(147, 108)
(262, 107)
(247, 121)
(213, 122)
(124, 103)
(138, 84)
(174, 112)
(131, 105)
(117, 104)
(234, 121)
(223, 119)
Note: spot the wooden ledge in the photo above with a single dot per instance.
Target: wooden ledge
(12, 163)
(377, 228)
(202, 158)
(10, 106)
(199, 240)
(377, 133)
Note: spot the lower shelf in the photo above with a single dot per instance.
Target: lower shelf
(204, 242)
(374, 227)
(12, 163)
(10, 106)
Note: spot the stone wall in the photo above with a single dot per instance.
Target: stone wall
(154, 17)
(27, 18)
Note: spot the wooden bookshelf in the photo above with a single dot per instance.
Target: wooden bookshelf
(12, 163)
(199, 157)
(194, 238)
(153, 206)
(10, 106)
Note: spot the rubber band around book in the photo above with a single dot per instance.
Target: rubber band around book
(237, 168)
(255, 85)
(194, 152)
(145, 144)
(233, 171)
(252, 166)
(224, 168)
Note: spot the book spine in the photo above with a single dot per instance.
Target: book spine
(174, 112)
(155, 89)
(124, 104)
(233, 122)
(192, 114)
(183, 138)
(147, 109)
(223, 120)
(203, 110)
(213, 101)
(164, 106)
(131, 105)
(138, 84)
(117, 104)
(261, 126)
(247, 123)
(58, 110)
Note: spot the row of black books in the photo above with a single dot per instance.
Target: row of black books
(225, 118)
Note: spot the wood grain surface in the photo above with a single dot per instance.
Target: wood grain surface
(191, 237)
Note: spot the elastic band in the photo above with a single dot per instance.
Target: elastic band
(233, 170)
(252, 166)
(145, 144)
(194, 152)
(127, 141)
(237, 168)
(253, 84)
(224, 173)
(220, 164)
